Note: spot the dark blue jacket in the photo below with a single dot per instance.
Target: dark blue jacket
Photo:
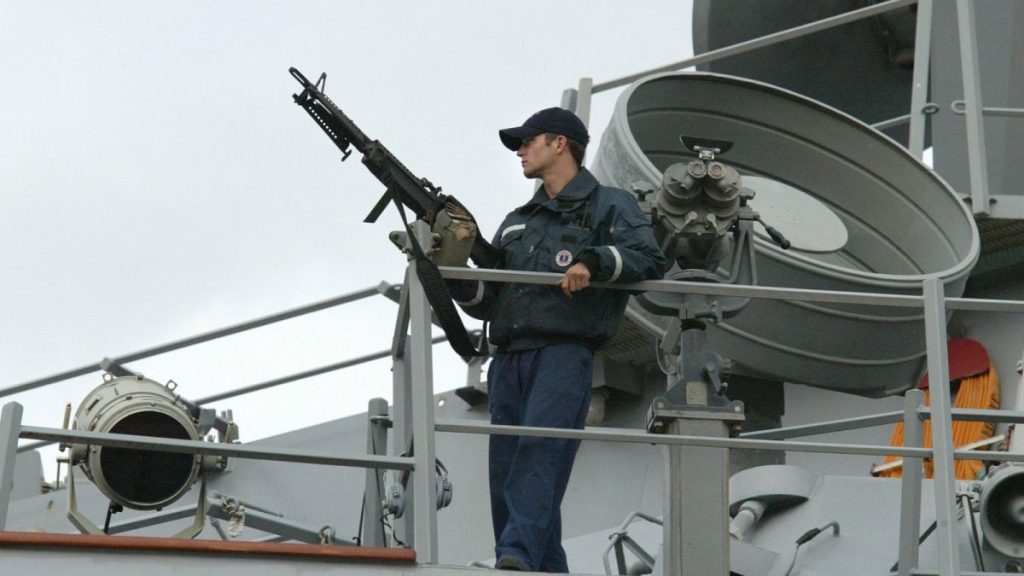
(601, 226)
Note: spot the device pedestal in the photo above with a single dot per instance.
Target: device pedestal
(696, 497)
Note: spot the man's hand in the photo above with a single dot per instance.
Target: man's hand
(576, 278)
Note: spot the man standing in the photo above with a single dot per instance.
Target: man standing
(546, 335)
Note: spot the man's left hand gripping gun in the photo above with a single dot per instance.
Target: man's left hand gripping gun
(403, 187)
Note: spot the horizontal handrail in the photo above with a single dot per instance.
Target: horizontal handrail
(756, 43)
(960, 107)
(769, 292)
(214, 449)
(842, 425)
(304, 374)
(269, 384)
(635, 437)
(892, 122)
(680, 287)
(755, 440)
(246, 451)
(882, 419)
(979, 415)
(34, 446)
(199, 338)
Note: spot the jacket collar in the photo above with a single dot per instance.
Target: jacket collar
(577, 189)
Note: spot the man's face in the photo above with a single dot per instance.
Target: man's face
(537, 155)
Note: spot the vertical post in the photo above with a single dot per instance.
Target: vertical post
(583, 97)
(402, 413)
(1017, 440)
(947, 547)
(973, 107)
(401, 334)
(376, 444)
(922, 64)
(910, 498)
(420, 361)
(401, 391)
(10, 429)
(568, 99)
(672, 524)
(695, 527)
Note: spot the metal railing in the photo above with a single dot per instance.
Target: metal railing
(934, 304)
(971, 107)
(122, 359)
(421, 406)
(418, 363)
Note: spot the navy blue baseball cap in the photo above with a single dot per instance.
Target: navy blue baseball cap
(553, 120)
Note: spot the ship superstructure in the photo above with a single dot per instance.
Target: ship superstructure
(728, 381)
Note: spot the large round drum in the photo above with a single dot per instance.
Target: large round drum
(867, 215)
(137, 478)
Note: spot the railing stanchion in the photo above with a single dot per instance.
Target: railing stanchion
(10, 429)
(910, 495)
(919, 92)
(975, 127)
(376, 444)
(420, 363)
(401, 410)
(947, 545)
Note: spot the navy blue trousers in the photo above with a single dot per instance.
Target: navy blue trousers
(547, 387)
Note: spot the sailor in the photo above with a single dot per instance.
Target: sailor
(546, 335)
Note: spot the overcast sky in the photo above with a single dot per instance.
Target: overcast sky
(157, 180)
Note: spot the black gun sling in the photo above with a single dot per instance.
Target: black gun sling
(440, 298)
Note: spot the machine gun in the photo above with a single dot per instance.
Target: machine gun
(402, 186)
(404, 189)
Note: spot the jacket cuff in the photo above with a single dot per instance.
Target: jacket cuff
(465, 292)
(589, 259)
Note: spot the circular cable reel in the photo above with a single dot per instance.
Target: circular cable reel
(134, 478)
